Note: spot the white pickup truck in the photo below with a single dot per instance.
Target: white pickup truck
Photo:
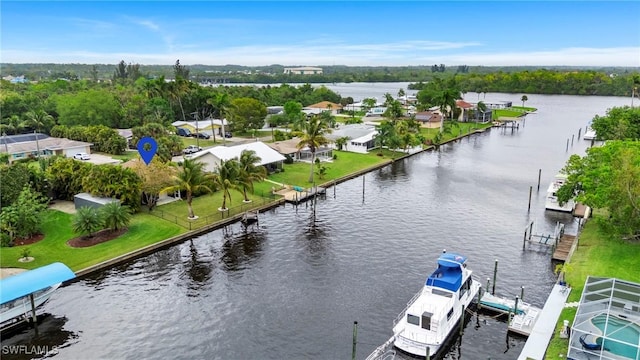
(191, 149)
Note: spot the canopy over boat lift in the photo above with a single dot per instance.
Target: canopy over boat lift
(29, 282)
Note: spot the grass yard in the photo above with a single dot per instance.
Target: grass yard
(186, 141)
(457, 129)
(598, 254)
(128, 155)
(206, 208)
(143, 230)
(297, 174)
(498, 113)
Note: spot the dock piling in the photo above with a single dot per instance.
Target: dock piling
(427, 356)
(495, 273)
(355, 336)
(488, 283)
(530, 191)
(462, 322)
(539, 175)
(522, 293)
(567, 145)
(572, 139)
(479, 297)
(363, 189)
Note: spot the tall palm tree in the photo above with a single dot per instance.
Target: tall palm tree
(482, 107)
(190, 178)
(226, 178)
(250, 172)
(524, 98)
(220, 103)
(313, 136)
(446, 101)
(177, 89)
(39, 120)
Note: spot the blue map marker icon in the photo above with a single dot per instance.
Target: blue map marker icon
(147, 152)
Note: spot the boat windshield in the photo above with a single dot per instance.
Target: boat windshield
(441, 293)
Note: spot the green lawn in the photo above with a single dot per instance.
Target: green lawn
(498, 113)
(143, 230)
(297, 174)
(186, 141)
(524, 108)
(598, 254)
(206, 208)
(128, 155)
(457, 129)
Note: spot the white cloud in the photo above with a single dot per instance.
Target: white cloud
(386, 54)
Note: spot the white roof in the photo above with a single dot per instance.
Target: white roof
(266, 154)
(202, 124)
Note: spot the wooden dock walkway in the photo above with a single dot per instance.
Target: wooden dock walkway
(564, 247)
(294, 196)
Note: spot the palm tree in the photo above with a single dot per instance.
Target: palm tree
(250, 172)
(12, 125)
(313, 136)
(446, 101)
(482, 107)
(340, 142)
(190, 178)
(87, 221)
(39, 119)
(226, 177)
(524, 98)
(177, 89)
(115, 216)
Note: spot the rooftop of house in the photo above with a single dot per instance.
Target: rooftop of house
(49, 143)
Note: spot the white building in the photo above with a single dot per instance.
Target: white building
(305, 70)
(212, 157)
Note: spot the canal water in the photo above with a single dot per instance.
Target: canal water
(289, 289)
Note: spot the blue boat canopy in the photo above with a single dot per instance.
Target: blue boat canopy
(30, 281)
(451, 260)
(448, 275)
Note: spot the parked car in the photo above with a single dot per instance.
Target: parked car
(227, 134)
(183, 132)
(201, 135)
(191, 149)
(82, 156)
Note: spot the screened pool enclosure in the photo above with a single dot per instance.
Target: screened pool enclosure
(607, 323)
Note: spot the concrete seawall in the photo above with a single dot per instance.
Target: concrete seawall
(233, 219)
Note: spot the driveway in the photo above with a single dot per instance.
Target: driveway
(99, 159)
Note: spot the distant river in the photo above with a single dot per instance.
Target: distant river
(288, 290)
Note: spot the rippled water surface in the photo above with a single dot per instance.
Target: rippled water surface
(289, 290)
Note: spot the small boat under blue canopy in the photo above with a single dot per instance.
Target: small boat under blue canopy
(30, 281)
(448, 275)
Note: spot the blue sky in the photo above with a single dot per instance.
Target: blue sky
(379, 33)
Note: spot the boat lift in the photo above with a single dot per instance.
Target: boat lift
(29, 282)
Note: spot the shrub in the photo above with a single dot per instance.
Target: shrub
(5, 240)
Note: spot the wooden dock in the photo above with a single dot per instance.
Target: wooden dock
(297, 196)
(563, 247)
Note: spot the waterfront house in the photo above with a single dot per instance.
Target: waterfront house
(465, 109)
(212, 157)
(361, 137)
(428, 118)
